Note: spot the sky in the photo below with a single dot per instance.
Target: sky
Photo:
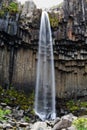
(44, 3)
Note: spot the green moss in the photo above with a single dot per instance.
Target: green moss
(13, 7)
(80, 123)
(14, 98)
(83, 104)
(27, 119)
(53, 20)
(74, 106)
(2, 13)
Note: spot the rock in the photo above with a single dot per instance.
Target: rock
(13, 123)
(40, 126)
(20, 113)
(69, 117)
(56, 120)
(6, 125)
(71, 128)
(23, 124)
(50, 123)
(1, 125)
(28, 128)
(17, 114)
(18, 108)
(3, 104)
(84, 116)
(8, 107)
(63, 123)
(62, 111)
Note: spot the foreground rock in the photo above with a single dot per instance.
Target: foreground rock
(16, 120)
(64, 122)
(40, 126)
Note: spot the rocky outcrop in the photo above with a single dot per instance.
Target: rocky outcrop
(28, 9)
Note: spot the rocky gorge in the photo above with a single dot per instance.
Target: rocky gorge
(19, 34)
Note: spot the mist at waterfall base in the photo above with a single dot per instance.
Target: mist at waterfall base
(45, 77)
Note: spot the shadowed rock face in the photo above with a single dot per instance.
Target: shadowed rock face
(18, 51)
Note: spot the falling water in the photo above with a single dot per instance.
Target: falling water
(45, 80)
(83, 10)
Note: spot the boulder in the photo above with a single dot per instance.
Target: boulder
(71, 128)
(64, 122)
(40, 126)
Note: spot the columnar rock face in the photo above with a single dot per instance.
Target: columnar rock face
(28, 9)
(18, 50)
(71, 50)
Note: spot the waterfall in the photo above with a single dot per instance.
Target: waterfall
(83, 10)
(45, 78)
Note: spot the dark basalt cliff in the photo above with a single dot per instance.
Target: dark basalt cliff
(19, 43)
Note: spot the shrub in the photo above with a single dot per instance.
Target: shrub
(53, 20)
(80, 123)
(13, 7)
(15, 98)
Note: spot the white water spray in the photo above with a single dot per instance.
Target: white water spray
(45, 80)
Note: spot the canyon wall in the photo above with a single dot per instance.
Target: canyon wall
(19, 45)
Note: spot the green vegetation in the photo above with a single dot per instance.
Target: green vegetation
(53, 20)
(27, 119)
(2, 13)
(15, 98)
(80, 123)
(3, 114)
(74, 106)
(12, 8)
